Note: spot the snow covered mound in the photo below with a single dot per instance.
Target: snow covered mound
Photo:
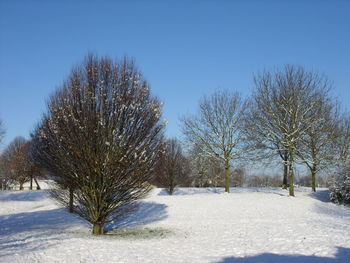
(193, 225)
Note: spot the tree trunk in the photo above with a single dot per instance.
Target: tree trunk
(71, 199)
(285, 176)
(227, 176)
(31, 183)
(200, 179)
(98, 228)
(171, 189)
(171, 183)
(291, 176)
(313, 177)
(37, 184)
(21, 186)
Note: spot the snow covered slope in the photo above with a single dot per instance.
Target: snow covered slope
(194, 225)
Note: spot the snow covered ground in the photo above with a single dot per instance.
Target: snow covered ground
(194, 225)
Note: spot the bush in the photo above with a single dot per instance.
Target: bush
(340, 190)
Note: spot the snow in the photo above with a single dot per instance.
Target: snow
(193, 225)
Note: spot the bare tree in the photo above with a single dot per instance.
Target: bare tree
(175, 168)
(318, 139)
(342, 142)
(5, 171)
(200, 164)
(15, 161)
(264, 138)
(263, 180)
(16, 165)
(238, 177)
(216, 128)
(206, 170)
(101, 137)
(34, 171)
(215, 173)
(282, 105)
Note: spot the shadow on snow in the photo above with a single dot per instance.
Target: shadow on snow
(36, 230)
(321, 195)
(23, 196)
(33, 230)
(325, 206)
(147, 212)
(342, 256)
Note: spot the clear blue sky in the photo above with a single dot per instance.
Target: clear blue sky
(184, 48)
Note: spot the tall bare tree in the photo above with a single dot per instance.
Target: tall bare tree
(315, 148)
(264, 138)
(283, 101)
(101, 137)
(216, 130)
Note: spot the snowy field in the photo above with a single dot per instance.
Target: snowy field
(194, 225)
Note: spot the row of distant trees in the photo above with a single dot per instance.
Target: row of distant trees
(174, 168)
(16, 166)
(290, 119)
(101, 139)
(178, 168)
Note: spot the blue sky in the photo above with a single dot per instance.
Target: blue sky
(184, 48)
